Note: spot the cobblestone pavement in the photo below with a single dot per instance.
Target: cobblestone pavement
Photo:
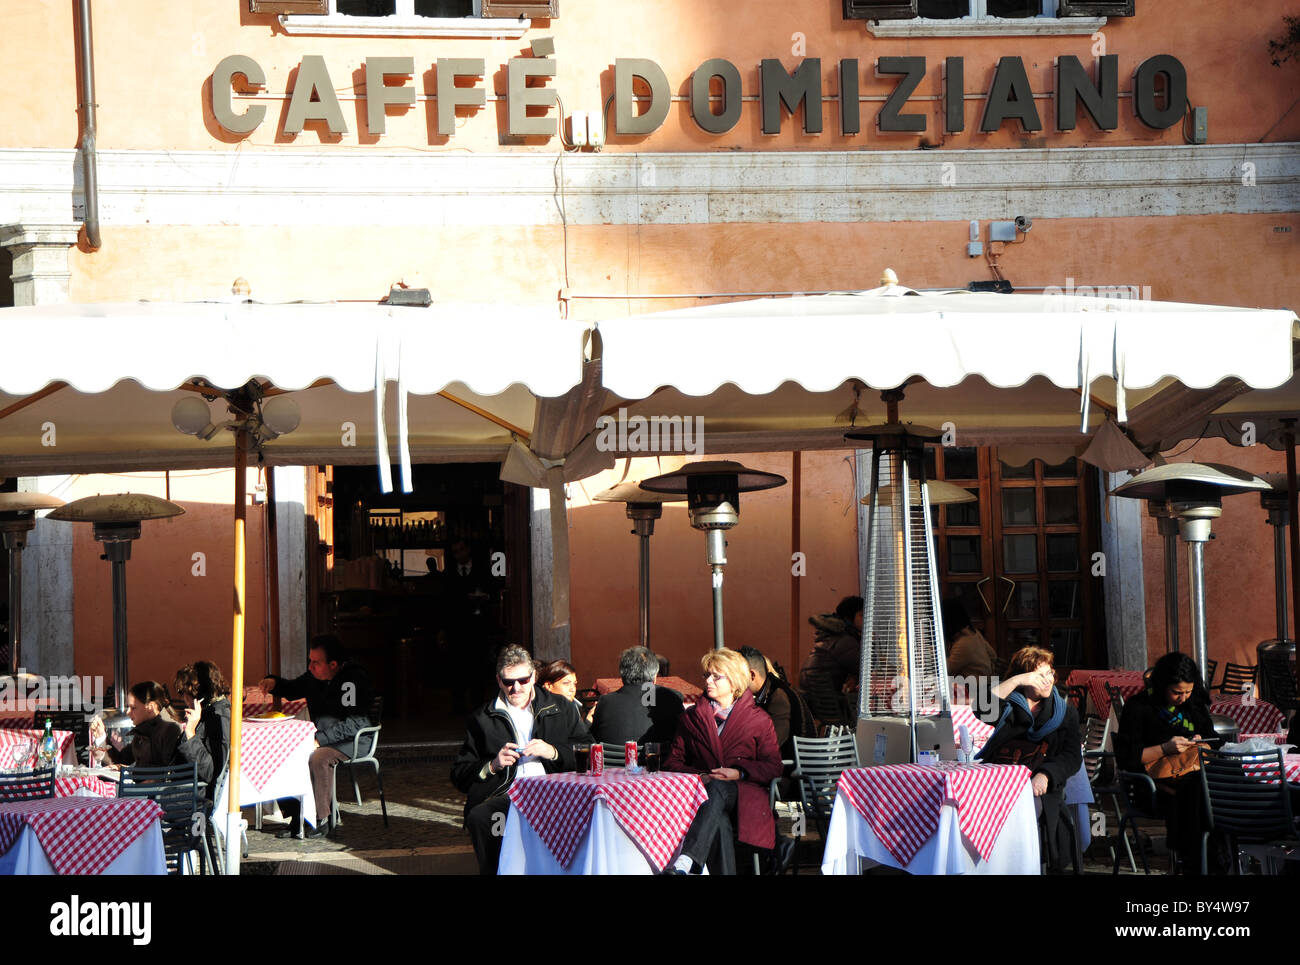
(424, 814)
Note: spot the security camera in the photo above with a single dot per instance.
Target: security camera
(1023, 224)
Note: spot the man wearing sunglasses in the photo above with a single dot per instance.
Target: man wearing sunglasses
(522, 732)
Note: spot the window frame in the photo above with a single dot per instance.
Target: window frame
(1048, 22)
(405, 23)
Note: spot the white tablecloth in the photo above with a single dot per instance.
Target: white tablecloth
(145, 856)
(291, 779)
(605, 850)
(849, 837)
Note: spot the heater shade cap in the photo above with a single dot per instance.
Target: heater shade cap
(28, 502)
(117, 508)
(1190, 480)
(894, 430)
(747, 480)
(941, 493)
(631, 492)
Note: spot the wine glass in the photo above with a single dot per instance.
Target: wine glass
(21, 753)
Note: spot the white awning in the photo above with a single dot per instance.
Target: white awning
(87, 388)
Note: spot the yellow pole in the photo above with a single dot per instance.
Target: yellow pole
(237, 656)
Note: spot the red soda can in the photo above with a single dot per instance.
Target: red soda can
(597, 759)
(629, 755)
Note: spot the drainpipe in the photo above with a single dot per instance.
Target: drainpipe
(86, 145)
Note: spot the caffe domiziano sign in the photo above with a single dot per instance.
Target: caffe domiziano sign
(1159, 94)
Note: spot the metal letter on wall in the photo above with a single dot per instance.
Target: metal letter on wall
(912, 70)
(379, 95)
(520, 97)
(710, 122)
(450, 96)
(954, 94)
(222, 78)
(850, 107)
(1074, 87)
(313, 78)
(776, 88)
(1144, 91)
(1010, 96)
(626, 120)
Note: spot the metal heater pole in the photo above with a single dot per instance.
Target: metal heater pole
(121, 679)
(1279, 579)
(1196, 573)
(643, 589)
(233, 831)
(717, 559)
(1169, 530)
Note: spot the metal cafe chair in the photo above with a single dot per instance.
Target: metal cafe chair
(27, 786)
(1247, 798)
(1116, 698)
(1237, 678)
(1280, 681)
(367, 737)
(825, 701)
(615, 755)
(1099, 765)
(818, 763)
(175, 789)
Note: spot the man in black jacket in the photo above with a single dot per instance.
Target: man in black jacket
(640, 710)
(338, 699)
(523, 732)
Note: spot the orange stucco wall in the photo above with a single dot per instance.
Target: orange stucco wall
(1239, 595)
(174, 615)
(152, 74)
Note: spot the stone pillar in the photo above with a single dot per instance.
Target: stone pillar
(1125, 595)
(40, 276)
(291, 516)
(40, 254)
(549, 643)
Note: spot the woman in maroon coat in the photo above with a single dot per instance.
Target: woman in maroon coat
(730, 741)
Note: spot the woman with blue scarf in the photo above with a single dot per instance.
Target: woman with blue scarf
(1168, 720)
(1039, 728)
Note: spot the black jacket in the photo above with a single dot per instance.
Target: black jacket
(1061, 750)
(555, 720)
(153, 744)
(1141, 725)
(339, 707)
(838, 651)
(209, 748)
(623, 716)
(790, 715)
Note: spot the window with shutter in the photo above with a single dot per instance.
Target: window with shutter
(1096, 8)
(529, 9)
(311, 7)
(879, 9)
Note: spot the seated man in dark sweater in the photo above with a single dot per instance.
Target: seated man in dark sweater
(640, 710)
(338, 699)
(790, 715)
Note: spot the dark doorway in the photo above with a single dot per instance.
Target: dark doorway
(425, 628)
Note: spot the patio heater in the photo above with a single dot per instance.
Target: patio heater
(643, 508)
(17, 519)
(712, 491)
(1167, 527)
(1193, 494)
(117, 520)
(1275, 502)
(903, 697)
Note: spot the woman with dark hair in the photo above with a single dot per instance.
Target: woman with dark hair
(560, 678)
(206, 738)
(1039, 728)
(1159, 732)
(837, 653)
(155, 735)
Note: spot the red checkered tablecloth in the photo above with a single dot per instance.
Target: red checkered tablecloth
(80, 835)
(1276, 737)
(979, 731)
(10, 737)
(265, 745)
(1251, 714)
(1129, 683)
(84, 785)
(654, 810)
(258, 703)
(901, 802)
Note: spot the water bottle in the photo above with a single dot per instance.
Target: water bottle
(47, 754)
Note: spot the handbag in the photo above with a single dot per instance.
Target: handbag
(1173, 766)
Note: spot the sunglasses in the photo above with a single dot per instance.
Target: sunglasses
(510, 683)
